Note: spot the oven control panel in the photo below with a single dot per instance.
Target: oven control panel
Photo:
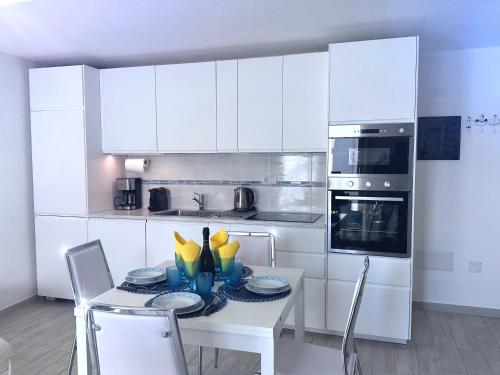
(375, 183)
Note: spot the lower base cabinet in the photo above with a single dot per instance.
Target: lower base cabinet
(384, 311)
(54, 235)
(314, 302)
(124, 243)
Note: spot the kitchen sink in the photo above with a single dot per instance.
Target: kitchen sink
(192, 213)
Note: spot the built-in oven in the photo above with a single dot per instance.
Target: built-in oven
(369, 222)
(372, 151)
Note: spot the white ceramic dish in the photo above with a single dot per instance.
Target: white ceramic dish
(145, 276)
(267, 292)
(271, 283)
(180, 302)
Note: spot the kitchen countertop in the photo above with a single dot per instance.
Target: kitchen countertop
(144, 214)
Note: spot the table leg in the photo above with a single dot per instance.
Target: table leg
(267, 357)
(81, 345)
(299, 313)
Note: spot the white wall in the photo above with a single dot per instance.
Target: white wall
(17, 243)
(458, 202)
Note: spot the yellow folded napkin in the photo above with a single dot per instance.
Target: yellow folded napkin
(229, 250)
(218, 239)
(179, 242)
(190, 251)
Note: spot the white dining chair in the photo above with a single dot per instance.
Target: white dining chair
(296, 358)
(131, 341)
(5, 356)
(256, 249)
(90, 276)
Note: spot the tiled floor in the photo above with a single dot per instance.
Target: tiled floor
(41, 334)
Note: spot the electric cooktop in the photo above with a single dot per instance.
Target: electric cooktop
(295, 217)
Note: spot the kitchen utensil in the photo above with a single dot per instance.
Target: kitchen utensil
(158, 199)
(244, 199)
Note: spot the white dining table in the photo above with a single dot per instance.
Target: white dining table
(244, 326)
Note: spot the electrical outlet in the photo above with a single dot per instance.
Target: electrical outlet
(475, 267)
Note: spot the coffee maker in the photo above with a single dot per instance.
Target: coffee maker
(129, 194)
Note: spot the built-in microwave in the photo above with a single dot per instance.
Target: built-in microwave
(370, 150)
(369, 222)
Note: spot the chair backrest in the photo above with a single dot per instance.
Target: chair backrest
(134, 341)
(88, 271)
(256, 248)
(349, 351)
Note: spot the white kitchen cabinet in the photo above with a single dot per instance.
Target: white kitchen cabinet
(315, 305)
(383, 270)
(124, 244)
(260, 89)
(373, 81)
(384, 311)
(300, 239)
(56, 88)
(59, 162)
(312, 264)
(128, 110)
(227, 106)
(54, 235)
(186, 107)
(160, 238)
(305, 102)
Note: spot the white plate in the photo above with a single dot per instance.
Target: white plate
(266, 291)
(270, 283)
(180, 301)
(146, 273)
(193, 309)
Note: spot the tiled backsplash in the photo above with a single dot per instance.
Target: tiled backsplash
(293, 182)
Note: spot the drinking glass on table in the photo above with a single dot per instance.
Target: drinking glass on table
(234, 278)
(191, 269)
(204, 283)
(174, 277)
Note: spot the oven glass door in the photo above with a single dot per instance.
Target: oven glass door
(370, 155)
(369, 222)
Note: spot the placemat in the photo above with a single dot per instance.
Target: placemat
(247, 272)
(157, 288)
(244, 295)
(220, 303)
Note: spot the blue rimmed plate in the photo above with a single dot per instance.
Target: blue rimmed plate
(144, 276)
(181, 302)
(268, 284)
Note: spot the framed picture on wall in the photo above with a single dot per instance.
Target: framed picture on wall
(439, 138)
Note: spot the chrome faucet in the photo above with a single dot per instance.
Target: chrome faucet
(200, 199)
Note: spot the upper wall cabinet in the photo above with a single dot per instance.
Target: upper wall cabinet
(305, 102)
(227, 106)
(373, 81)
(186, 107)
(128, 110)
(260, 89)
(56, 88)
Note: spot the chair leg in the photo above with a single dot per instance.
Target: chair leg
(216, 357)
(9, 372)
(72, 357)
(200, 360)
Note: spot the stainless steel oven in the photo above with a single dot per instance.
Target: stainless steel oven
(372, 151)
(369, 222)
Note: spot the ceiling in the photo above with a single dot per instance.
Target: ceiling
(106, 33)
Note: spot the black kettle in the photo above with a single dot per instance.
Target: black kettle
(244, 199)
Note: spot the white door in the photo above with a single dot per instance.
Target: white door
(56, 88)
(128, 110)
(315, 305)
(59, 162)
(305, 102)
(186, 103)
(260, 89)
(124, 244)
(54, 235)
(373, 81)
(160, 238)
(227, 106)
(384, 311)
